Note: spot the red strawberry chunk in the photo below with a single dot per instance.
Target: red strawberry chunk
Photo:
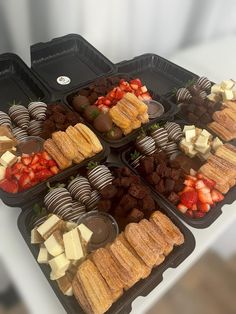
(9, 186)
(134, 86)
(189, 182)
(203, 207)
(216, 196)
(194, 207)
(26, 160)
(208, 182)
(205, 197)
(52, 163)
(35, 160)
(182, 208)
(143, 89)
(24, 181)
(136, 81)
(8, 173)
(43, 175)
(188, 198)
(200, 184)
(54, 169)
(31, 175)
(199, 175)
(146, 96)
(45, 155)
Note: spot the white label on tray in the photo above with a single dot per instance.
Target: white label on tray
(63, 80)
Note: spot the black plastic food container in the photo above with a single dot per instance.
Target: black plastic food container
(67, 62)
(19, 199)
(159, 74)
(199, 223)
(17, 83)
(142, 288)
(170, 111)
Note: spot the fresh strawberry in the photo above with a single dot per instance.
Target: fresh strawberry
(43, 175)
(146, 96)
(17, 176)
(199, 175)
(187, 189)
(189, 213)
(189, 182)
(25, 169)
(8, 173)
(119, 93)
(134, 86)
(9, 186)
(200, 184)
(43, 162)
(24, 181)
(188, 198)
(208, 182)
(203, 207)
(107, 102)
(182, 208)
(31, 175)
(194, 207)
(17, 167)
(143, 89)
(45, 155)
(26, 160)
(35, 160)
(216, 196)
(51, 163)
(205, 197)
(54, 169)
(198, 214)
(138, 93)
(136, 81)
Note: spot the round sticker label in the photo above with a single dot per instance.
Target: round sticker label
(63, 80)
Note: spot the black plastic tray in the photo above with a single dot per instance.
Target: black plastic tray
(142, 288)
(157, 73)
(199, 223)
(70, 56)
(18, 83)
(170, 111)
(19, 199)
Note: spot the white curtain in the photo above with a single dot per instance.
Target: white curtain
(120, 29)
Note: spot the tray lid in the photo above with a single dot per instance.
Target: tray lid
(67, 62)
(18, 83)
(161, 75)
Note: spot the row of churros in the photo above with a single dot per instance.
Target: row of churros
(101, 279)
(224, 123)
(221, 167)
(129, 113)
(74, 145)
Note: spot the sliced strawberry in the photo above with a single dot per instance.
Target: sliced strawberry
(216, 196)
(189, 177)
(138, 93)
(204, 197)
(199, 175)
(17, 167)
(107, 102)
(35, 160)
(26, 160)
(200, 184)
(24, 181)
(31, 175)
(146, 96)
(10, 186)
(189, 198)
(136, 81)
(54, 169)
(134, 86)
(119, 93)
(45, 155)
(203, 207)
(8, 173)
(52, 163)
(40, 167)
(208, 182)
(186, 189)
(189, 213)
(194, 207)
(43, 175)
(143, 89)
(43, 162)
(182, 208)
(17, 176)
(25, 169)
(198, 214)
(189, 182)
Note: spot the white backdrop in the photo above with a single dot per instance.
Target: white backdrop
(121, 29)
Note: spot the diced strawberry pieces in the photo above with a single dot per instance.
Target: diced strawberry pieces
(203, 207)
(188, 198)
(9, 186)
(26, 160)
(189, 182)
(43, 175)
(199, 175)
(146, 96)
(35, 160)
(198, 214)
(24, 181)
(45, 155)
(216, 196)
(107, 102)
(182, 208)
(194, 207)
(31, 175)
(143, 89)
(8, 173)
(136, 81)
(200, 185)
(17, 167)
(17, 176)
(189, 177)
(52, 163)
(54, 169)
(188, 188)
(138, 93)
(205, 197)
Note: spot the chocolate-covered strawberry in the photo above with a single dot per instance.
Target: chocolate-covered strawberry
(76, 211)
(80, 189)
(135, 158)
(58, 201)
(37, 110)
(19, 115)
(35, 128)
(160, 135)
(204, 83)
(146, 145)
(80, 103)
(39, 220)
(103, 123)
(5, 119)
(174, 131)
(91, 204)
(19, 134)
(183, 94)
(114, 134)
(99, 176)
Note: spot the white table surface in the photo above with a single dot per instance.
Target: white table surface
(25, 273)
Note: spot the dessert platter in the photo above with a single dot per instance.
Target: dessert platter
(102, 232)
(82, 241)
